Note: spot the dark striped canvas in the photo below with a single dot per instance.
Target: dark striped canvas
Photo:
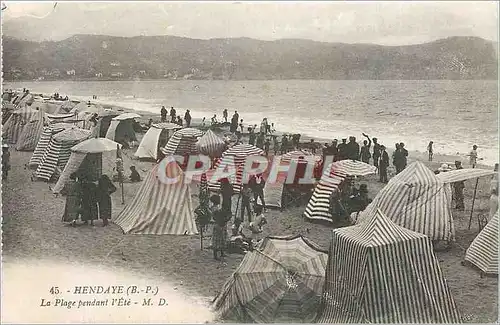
(31, 133)
(44, 141)
(483, 252)
(417, 200)
(211, 145)
(182, 142)
(379, 272)
(281, 280)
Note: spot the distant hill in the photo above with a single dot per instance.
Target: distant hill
(151, 57)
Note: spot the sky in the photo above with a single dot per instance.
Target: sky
(385, 23)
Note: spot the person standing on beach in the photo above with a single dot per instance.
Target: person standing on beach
(276, 145)
(241, 126)
(459, 189)
(430, 150)
(187, 118)
(173, 114)
(89, 201)
(251, 138)
(5, 161)
(352, 149)
(473, 156)
(260, 141)
(163, 113)
(72, 190)
(334, 150)
(267, 145)
(219, 234)
(224, 115)
(404, 156)
(342, 148)
(104, 190)
(383, 164)
(284, 144)
(396, 159)
(257, 184)
(226, 190)
(179, 121)
(365, 150)
(246, 198)
(313, 146)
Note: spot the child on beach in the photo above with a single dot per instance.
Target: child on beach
(241, 125)
(430, 150)
(473, 156)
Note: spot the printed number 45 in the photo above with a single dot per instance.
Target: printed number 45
(54, 290)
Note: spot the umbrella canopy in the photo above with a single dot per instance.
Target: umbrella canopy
(108, 112)
(85, 107)
(295, 155)
(72, 134)
(463, 174)
(211, 145)
(353, 168)
(240, 152)
(167, 126)
(126, 116)
(182, 142)
(282, 279)
(96, 145)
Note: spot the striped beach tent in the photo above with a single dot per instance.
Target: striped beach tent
(156, 137)
(58, 152)
(42, 144)
(159, 208)
(91, 157)
(211, 145)
(353, 168)
(417, 200)
(13, 127)
(318, 207)
(296, 154)
(234, 157)
(280, 281)
(182, 142)
(379, 272)
(31, 133)
(483, 252)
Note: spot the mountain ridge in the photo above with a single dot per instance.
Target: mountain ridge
(174, 57)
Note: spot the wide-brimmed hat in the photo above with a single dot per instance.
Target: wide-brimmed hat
(5, 145)
(444, 168)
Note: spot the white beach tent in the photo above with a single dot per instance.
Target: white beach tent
(483, 252)
(160, 208)
(417, 200)
(91, 157)
(379, 272)
(156, 137)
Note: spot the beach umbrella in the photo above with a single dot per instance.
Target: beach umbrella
(282, 279)
(296, 154)
(182, 142)
(211, 145)
(127, 116)
(353, 168)
(108, 112)
(240, 152)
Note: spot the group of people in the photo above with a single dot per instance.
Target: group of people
(174, 118)
(87, 201)
(473, 157)
(347, 199)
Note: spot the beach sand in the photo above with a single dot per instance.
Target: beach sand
(32, 230)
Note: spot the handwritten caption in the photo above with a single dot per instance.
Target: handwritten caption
(103, 296)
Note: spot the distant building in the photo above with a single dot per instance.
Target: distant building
(70, 72)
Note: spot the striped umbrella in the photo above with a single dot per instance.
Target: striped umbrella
(379, 272)
(281, 280)
(417, 200)
(464, 174)
(182, 142)
(353, 168)
(295, 155)
(211, 145)
(318, 207)
(483, 252)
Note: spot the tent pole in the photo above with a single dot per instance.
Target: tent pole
(201, 238)
(123, 194)
(473, 201)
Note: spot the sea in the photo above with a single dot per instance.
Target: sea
(453, 114)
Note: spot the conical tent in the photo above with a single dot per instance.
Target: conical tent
(43, 142)
(211, 145)
(160, 208)
(483, 252)
(379, 272)
(31, 133)
(417, 200)
(280, 280)
(58, 152)
(152, 140)
(13, 127)
(182, 142)
(318, 207)
(91, 157)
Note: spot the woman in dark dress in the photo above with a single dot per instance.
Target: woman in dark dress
(219, 235)
(227, 193)
(89, 201)
(104, 191)
(72, 191)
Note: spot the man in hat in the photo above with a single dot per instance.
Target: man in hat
(459, 189)
(163, 113)
(383, 164)
(5, 161)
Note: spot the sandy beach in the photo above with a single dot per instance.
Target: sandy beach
(32, 229)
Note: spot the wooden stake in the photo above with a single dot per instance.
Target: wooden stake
(473, 201)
